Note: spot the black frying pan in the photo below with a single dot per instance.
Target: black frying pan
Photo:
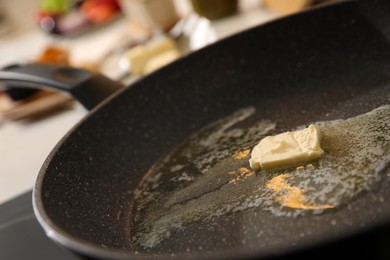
(324, 64)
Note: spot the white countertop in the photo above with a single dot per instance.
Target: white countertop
(25, 145)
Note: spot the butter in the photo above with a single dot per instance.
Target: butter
(161, 60)
(140, 55)
(287, 149)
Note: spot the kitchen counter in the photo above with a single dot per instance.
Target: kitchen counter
(24, 145)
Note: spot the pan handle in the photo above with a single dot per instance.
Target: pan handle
(88, 88)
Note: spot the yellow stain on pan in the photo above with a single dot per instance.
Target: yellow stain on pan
(292, 197)
(241, 154)
(240, 174)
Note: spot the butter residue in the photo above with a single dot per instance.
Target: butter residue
(287, 149)
(241, 154)
(240, 174)
(292, 196)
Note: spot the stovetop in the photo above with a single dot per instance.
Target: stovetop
(21, 237)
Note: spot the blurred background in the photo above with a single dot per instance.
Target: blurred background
(122, 39)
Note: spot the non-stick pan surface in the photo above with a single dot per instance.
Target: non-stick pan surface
(325, 64)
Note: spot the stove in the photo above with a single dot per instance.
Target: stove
(21, 237)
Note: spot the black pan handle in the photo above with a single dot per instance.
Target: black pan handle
(88, 88)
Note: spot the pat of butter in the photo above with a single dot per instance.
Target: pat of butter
(140, 55)
(287, 149)
(161, 60)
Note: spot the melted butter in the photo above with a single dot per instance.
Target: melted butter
(241, 154)
(208, 175)
(290, 196)
(240, 174)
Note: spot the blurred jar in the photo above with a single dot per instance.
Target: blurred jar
(161, 14)
(214, 9)
(286, 7)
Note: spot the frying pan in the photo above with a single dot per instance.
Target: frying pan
(328, 63)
